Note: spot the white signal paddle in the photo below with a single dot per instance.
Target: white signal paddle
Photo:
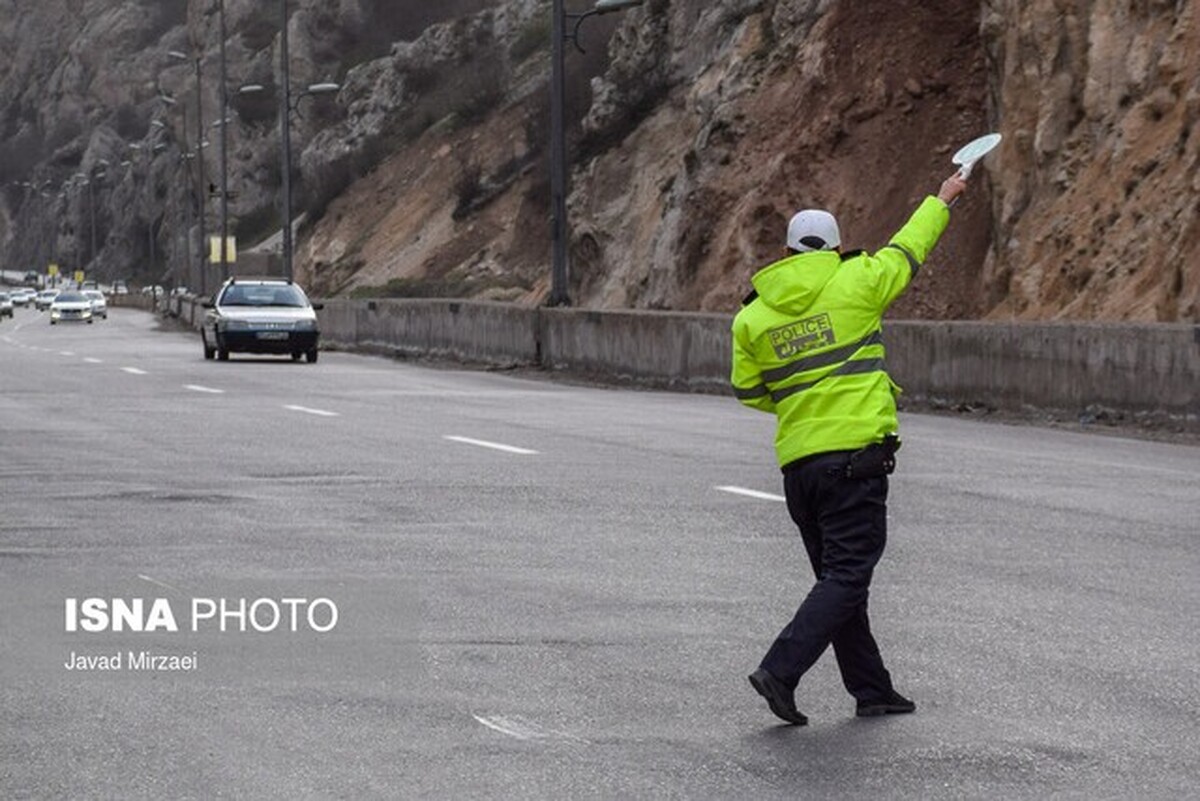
(973, 151)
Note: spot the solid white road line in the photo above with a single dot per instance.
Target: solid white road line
(749, 493)
(133, 371)
(493, 445)
(317, 412)
(209, 390)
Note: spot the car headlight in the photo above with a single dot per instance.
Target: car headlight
(306, 325)
(233, 325)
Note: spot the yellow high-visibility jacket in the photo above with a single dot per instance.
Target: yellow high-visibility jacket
(809, 347)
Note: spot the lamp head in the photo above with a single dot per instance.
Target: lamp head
(608, 6)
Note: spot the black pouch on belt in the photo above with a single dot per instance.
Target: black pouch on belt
(875, 460)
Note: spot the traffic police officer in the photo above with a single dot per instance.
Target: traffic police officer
(808, 347)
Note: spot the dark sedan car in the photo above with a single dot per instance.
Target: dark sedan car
(260, 315)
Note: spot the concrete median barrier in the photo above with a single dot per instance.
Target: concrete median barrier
(678, 350)
(476, 332)
(1131, 368)
(1136, 371)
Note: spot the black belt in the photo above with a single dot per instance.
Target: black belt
(872, 461)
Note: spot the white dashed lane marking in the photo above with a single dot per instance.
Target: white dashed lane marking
(749, 493)
(160, 583)
(133, 371)
(522, 729)
(198, 388)
(91, 360)
(307, 410)
(493, 445)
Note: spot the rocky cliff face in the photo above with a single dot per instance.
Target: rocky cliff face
(97, 169)
(695, 133)
(710, 126)
(1096, 189)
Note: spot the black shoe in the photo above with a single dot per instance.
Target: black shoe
(779, 698)
(891, 704)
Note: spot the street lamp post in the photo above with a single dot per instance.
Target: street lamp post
(73, 186)
(286, 107)
(202, 222)
(90, 183)
(224, 148)
(286, 143)
(285, 136)
(223, 124)
(87, 180)
(41, 193)
(559, 292)
(148, 148)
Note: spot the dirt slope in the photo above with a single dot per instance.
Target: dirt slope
(824, 107)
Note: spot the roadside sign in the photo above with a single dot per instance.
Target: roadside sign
(79, 276)
(214, 249)
(52, 269)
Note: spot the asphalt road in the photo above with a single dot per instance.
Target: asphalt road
(573, 617)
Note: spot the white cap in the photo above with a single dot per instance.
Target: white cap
(813, 229)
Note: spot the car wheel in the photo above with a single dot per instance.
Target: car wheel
(311, 355)
(296, 356)
(52, 322)
(91, 320)
(222, 355)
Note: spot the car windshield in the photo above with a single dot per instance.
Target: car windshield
(287, 295)
(94, 294)
(70, 297)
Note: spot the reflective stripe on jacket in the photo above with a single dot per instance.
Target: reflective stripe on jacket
(810, 349)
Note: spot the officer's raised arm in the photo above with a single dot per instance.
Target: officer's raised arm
(952, 187)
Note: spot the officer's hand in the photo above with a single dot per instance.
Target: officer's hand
(952, 187)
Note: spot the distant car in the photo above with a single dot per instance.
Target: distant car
(32, 278)
(23, 296)
(71, 306)
(44, 298)
(260, 316)
(6, 305)
(99, 303)
(119, 287)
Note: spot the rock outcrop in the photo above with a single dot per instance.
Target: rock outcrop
(1097, 191)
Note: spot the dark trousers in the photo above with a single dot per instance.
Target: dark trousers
(843, 522)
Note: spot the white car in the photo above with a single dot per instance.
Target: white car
(99, 304)
(260, 315)
(71, 306)
(23, 296)
(44, 299)
(6, 306)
